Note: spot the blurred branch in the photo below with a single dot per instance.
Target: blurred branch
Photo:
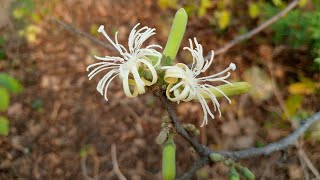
(115, 163)
(256, 30)
(75, 30)
(196, 165)
(204, 151)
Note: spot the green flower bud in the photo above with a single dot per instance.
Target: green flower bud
(169, 159)
(246, 173)
(233, 174)
(176, 34)
(215, 157)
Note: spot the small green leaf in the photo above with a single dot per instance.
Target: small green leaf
(278, 3)
(164, 4)
(259, 143)
(305, 87)
(292, 104)
(28, 4)
(19, 13)
(10, 83)
(223, 18)
(93, 29)
(36, 17)
(233, 174)
(215, 157)
(302, 3)
(246, 173)
(4, 126)
(254, 10)
(4, 99)
(84, 150)
(204, 5)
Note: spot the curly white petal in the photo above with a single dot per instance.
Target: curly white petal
(127, 65)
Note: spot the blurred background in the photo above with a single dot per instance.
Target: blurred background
(55, 125)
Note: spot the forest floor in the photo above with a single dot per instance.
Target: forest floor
(62, 128)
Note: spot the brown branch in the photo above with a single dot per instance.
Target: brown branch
(196, 165)
(201, 149)
(115, 163)
(204, 151)
(256, 30)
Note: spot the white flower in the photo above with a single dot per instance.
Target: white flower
(185, 85)
(129, 63)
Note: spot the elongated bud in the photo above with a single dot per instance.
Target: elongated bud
(246, 173)
(176, 34)
(233, 174)
(169, 159)
(230, 90)
(215, 157)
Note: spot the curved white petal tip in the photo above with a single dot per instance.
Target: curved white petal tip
(101, 28)
(233, 66)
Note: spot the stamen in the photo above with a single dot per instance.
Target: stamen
(230, 67)
(101, 30)
(233, 66)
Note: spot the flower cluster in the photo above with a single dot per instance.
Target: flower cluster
(184, 83)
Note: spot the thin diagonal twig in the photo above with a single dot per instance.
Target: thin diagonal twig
(241, 154)
(73, 29)
(256, 30)
(115, 163)
(197, 165)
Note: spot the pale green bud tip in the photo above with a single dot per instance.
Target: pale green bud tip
(233, 174)
(215, 157)
(246, 173)
(182, 12)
